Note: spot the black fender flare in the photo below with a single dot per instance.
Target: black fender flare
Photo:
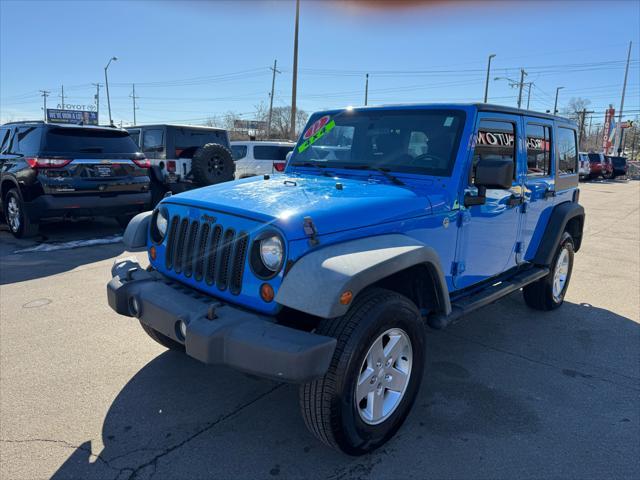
(13, 183)
(561, 215)
(155, 174)
(316, 281)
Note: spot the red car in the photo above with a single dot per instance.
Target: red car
(600, 166)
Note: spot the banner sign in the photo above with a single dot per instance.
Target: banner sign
(606, 137)
(250, 124)
(77, 117)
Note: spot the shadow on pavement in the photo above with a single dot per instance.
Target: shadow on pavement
(22, 266)
(508, 393)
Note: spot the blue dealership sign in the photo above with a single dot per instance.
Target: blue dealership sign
(77, 117)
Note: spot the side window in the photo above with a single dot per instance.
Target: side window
(239, 151)
(4, 138)
(152, 140)
(567, 146)
(135, 136)
(494, 140)
(28, 139)
(538, 150)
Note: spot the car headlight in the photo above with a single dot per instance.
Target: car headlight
(159, 225)
(271, 252)
(267, 255)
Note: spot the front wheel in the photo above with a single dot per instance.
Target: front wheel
(548, 292)
(374, 375)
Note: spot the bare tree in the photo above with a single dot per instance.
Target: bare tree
(575, 107)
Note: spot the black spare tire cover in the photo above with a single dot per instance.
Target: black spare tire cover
(212, 164)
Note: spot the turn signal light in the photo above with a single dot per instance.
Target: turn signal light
(266, 292)
(152, 252)
(346, 297)
(38, 162)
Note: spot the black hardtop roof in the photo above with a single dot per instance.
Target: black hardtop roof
(177, 125)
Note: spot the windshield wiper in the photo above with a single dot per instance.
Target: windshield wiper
(312, 164)
(384, 171)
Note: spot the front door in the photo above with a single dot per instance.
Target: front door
(490, 232)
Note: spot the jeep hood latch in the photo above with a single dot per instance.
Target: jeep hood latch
(311, 231)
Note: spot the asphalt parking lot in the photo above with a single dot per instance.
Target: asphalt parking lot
(507, 393)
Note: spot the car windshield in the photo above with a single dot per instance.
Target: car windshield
(595, 157)
(411, 141)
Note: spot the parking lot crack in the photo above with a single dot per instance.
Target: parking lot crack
(208, 426)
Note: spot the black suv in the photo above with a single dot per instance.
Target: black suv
(49, 170)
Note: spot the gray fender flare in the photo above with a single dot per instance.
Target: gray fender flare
(135, 235)
(560, 216)
(316, 281)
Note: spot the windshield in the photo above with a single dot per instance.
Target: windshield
(595, 157)
(409, 141)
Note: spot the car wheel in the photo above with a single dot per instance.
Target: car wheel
(162, 339)
(17, 217)
(374, 375)
(548, 292)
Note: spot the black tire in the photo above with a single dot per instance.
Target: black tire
(328, 404)
(539, 295)
(212, 164)
(162, 339)
(158, 191)
(123, 220)
(20, 225)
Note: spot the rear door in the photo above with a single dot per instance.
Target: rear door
(490, 232)
(101, 161)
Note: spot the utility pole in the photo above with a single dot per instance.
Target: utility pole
(295, 73)
(583, 116)
(45, 94)
(62, 96)
(366, 89)
(555, 105)
(133, 96)
(624, 89)
(97, 98)
(486, 83)
(273, 90)
(529, 84)
(522, 75)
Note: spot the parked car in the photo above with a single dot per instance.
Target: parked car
(184, 157)
(619, 165)
(258, 158)
(326, 276)
(599, 166)
(584, 168)
(49, 170)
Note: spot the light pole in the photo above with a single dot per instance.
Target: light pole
(486, 83)
(366, 90)
(106, 84)
(555, 105)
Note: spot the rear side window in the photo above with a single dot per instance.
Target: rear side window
(28, 139)
(4, 138)
(495, 140)
(135, 136)
(185, 138)
(271, 152)
(152, 140)
(567, 151)
(538, 150)
(239, 151)
(88, 141)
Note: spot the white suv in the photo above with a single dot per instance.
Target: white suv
(259, 158)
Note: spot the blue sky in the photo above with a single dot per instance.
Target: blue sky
(192, 60)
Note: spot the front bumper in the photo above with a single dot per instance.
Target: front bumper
(218, 333)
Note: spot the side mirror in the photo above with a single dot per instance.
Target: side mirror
(491, 173)
(288, 156)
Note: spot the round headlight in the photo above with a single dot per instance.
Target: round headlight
(159, 225)
(162, 222)
(272, 252)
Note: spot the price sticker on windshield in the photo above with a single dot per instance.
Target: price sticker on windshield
(317, 130)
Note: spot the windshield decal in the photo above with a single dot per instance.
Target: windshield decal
(317, 130)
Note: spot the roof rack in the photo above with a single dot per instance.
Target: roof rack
(22, 122)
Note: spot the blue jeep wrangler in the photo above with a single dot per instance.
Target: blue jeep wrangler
(385, 219)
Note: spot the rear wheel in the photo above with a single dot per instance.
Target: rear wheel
(548, 292)
(374, 375)
(17, 217)
(162, 339)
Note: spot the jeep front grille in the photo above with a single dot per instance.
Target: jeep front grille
(209, 253)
